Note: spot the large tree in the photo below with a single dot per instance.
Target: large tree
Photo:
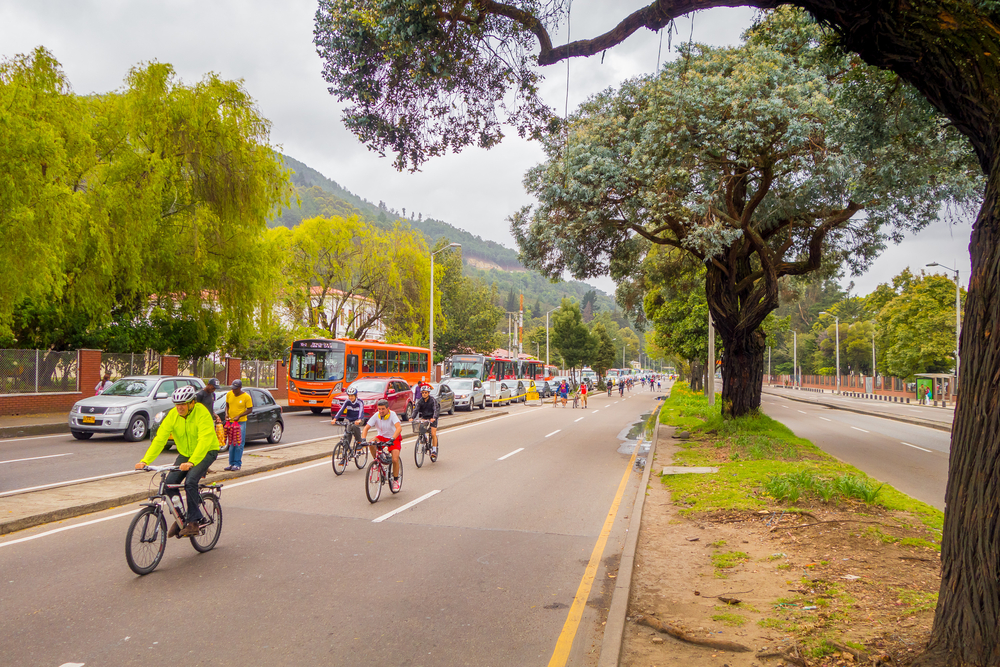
(426, 77)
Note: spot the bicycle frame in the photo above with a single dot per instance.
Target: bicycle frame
(162, 498)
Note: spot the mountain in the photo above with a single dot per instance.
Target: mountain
(494, 263)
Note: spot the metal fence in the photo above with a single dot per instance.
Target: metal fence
(38, 371)
(257, 373)
(205, 367)
(125, 363)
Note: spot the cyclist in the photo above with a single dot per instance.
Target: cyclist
(429, 408)
(353, 410)
(193, 431)
(389, 429)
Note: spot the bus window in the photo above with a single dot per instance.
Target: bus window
(368, 361)
(352, 367)
(423, 362)
(393, 361)
(380, 361)
(404, 362)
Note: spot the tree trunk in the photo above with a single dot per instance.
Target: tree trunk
(696, 376)
(743, 374)
(966, 627)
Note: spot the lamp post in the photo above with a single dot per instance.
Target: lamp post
(547, 334)
(958, 318)
(450, 245)
(795, 359)
(837, 326)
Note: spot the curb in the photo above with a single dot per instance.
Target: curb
(940, 426)
(614, 628)
(33, 429)
(63, 513)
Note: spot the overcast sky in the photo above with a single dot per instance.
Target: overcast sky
(269, 45)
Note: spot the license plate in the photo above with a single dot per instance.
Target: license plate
(87, 420)
(311, 401)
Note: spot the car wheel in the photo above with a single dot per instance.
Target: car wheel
(276, 432)
(137, 429)
(451, 410)
(81, 435)
(408, 413)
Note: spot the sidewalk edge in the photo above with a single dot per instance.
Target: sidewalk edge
(614, 628)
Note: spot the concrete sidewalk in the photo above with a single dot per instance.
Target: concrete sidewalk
(932, 417)
(35, 508)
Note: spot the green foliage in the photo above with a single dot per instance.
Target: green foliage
(570, 335)
(469, 314)
(604, 356)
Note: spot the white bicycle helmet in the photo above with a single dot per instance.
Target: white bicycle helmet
(183, 394)
(352, 391)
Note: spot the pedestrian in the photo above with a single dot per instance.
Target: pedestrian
(238, 406)
(103, 384)
(583, 394)
(564, 391)
(206, 397)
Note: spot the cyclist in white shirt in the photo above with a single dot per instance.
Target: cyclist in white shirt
(389, 429)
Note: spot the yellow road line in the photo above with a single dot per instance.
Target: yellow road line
(565, 642)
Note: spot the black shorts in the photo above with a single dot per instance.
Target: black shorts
(433, 423)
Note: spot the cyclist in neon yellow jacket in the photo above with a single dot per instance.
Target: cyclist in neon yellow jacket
(193, 431)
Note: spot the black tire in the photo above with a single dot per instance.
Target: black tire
(81, 435)
(277, 430)
(145, 541)
(209, 535)
(400, 476)
(138, 429)
(419, 451)
(373, 482)
(316, 411)
(361, 458)
(482, 404)
(339, 459)
(408, 413)
(451, 410)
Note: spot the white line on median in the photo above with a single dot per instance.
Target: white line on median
(406, 506)
(507, 456)
(36, 437)
(860, 429)
(66, 483)
(914, 446)
(553, 432)
(35, 458)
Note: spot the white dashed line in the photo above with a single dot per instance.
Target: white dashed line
(36, 458)
(800, 412)
(825, 419)
(786, 407)
(507, 456)
(553, 433)
(407, 506)
(576, 420)
(914, 446)
(860, 429)
(594, 412)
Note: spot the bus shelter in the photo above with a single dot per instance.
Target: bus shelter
(936, 386)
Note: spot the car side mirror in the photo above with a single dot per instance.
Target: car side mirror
(160, 395)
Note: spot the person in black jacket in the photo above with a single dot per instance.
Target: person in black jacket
(206, 397)
(428, 408)
(353, 410)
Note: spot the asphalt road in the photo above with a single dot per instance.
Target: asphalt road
(36, 461)
(913, 459)
(481, 570)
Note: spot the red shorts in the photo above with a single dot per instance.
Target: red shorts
(397, 444)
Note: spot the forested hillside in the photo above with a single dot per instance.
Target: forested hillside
(488, 260)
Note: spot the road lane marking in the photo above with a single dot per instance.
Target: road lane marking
(67, 483)
(272, 476)
(800, 411)
(36, 437)
(574, 421)
(786, 407)
(553, 432)
(608, 405)
(59, 530)
(407, 506)
(594, 412)
(914, 446)
(565, 642)
(825, 419)
(36, 458)
(860, 429)
(507, 456)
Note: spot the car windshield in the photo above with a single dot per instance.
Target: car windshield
(461, 385)
(373, 386)
(129, 387)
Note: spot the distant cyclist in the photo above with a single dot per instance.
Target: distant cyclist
(193, 431)
(390, 429)
(353, 410)
(429, 408)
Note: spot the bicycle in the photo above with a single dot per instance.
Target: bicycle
(425, 444)
(344, 452)
(146, 539)
(576, 400)
(380, 471)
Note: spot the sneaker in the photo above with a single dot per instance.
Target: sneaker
(434, 453)
(395, 484)
(229, 468)
(235, 468)
(174, 529)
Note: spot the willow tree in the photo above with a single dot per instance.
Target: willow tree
(426, 77)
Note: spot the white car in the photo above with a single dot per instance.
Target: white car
(469, 392)
(503, 393)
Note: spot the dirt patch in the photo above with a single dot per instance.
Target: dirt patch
(831, 585)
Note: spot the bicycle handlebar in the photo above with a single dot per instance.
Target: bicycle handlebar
(158, 468)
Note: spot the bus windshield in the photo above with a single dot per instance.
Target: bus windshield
(467, 369)
(323, 365)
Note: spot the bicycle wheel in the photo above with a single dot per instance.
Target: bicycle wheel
(419, 450)
(339, 458)
(360, 456)
(209, 535)
(145, 541)
(400, 476)
(373, 482)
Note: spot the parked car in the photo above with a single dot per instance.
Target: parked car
(469, 392)
(503, 393)
(545, 388)
(126, 407)
(265, 421)
(445, 396)
(371, 389)
(517, 390)
(555, 382)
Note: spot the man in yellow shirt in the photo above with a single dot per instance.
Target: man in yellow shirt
(193, 430)
(238, 406)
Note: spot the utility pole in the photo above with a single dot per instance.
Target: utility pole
(710, 379)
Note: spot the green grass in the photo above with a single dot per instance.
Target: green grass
(718, 545)
(730, 619)
(761, 462)
(729, 559)
(917, 600)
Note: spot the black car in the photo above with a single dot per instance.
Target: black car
(265, 421)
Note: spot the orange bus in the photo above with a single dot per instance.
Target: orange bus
(318, 368)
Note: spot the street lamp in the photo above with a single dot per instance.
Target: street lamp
(450, 245)
(837, 325)
(547, 334)
(958, 317)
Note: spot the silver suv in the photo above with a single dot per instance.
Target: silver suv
(127, 406)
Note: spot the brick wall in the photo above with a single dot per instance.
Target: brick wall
(233, 370)
(168, 364)
(88, 374)
(281, 380)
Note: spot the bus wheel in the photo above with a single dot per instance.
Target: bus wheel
(316, 411)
